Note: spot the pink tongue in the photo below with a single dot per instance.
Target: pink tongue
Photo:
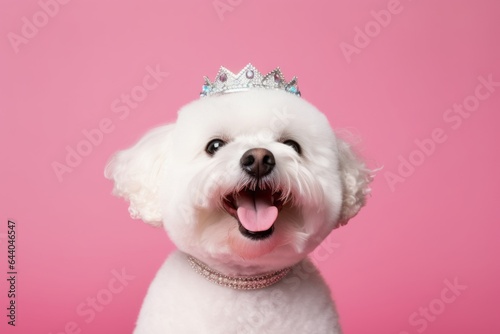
(256, 212)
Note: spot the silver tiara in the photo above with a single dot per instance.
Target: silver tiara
(249, 77)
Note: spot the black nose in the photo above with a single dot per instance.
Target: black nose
(257, 162)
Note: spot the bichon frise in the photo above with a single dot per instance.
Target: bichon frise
(247, 182)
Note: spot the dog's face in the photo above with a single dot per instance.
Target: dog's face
(252, 181)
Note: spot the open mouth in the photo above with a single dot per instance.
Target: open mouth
(256, 211)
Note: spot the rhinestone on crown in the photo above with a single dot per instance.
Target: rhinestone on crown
(249, 77)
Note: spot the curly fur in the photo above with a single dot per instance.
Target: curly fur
(170, 180)
(135, 173)
(356, 178)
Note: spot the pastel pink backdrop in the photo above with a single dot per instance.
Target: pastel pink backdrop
(438, 223)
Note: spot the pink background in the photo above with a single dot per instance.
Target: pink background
(438, 223)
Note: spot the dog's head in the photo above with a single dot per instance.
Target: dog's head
(252, 180)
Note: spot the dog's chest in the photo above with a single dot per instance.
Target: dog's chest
(181, 301)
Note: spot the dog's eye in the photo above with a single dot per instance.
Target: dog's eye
(214, 145)
(293, 144)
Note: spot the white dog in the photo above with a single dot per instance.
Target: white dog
(246, 184)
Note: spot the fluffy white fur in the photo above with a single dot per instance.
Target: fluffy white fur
(170, 180)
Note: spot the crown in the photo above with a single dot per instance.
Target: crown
(249, 77)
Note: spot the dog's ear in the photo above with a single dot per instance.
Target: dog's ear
(138, 171)
(355, 178)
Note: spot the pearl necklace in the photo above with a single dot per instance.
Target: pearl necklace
(237, 282)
